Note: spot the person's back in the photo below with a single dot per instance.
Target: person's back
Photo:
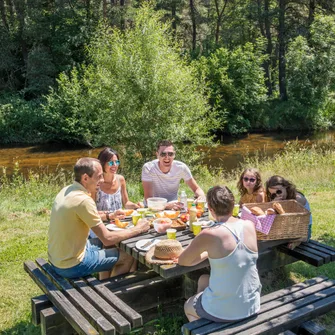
(234, 287)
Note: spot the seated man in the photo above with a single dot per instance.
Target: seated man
(161, 177)
(73, 214)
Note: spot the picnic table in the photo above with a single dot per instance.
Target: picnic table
(128, 295)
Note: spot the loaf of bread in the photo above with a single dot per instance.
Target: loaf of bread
(270, 211)
(256, 210)
(278, 208)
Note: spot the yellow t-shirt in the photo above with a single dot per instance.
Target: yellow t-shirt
(73, 214)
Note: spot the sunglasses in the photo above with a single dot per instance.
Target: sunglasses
(246, 179)
(111, 163)
(278, 192)
(164, 154)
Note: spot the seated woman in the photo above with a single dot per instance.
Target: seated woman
(250, 187)
(232, 290)
(278, 188)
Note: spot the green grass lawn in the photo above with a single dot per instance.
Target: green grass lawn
(24, 216)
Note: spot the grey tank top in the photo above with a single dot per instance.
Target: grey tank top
(234, 286)
(109, 202)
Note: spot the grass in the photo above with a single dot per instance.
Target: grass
(25, 207)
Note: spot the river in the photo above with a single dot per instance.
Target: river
(226, 156)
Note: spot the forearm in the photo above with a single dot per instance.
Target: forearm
(199, 193)
(186, 261)
(113, 238)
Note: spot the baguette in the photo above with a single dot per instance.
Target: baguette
(278, 208)
(257, 211)
(270, 211)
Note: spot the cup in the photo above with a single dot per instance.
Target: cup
(236, 210)
(142, 212)
(201, 204)
(196, 228)
(189, 203)
(171, 234)
(135, 217)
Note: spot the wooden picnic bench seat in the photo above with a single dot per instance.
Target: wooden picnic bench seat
(86, 303)
(312, 252)
(280, 311)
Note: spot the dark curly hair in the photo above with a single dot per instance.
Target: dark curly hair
(258, 185)
(278, 180)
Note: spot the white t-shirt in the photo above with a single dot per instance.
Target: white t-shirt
(165, 185)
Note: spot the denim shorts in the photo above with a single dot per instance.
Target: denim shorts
(96, 259)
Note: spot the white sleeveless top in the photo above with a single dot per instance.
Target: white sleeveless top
(109, 202)
(234, 286)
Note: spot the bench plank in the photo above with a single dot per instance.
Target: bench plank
(70, 312)
(89, 311)
(126, 311)
(54, 323)
(303, 255)
(37, 304)
(311, 328)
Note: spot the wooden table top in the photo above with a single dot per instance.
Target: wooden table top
(185, 237)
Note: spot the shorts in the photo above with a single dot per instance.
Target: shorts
(96, 259)
(202, 313)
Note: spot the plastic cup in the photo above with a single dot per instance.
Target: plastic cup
(171, 234)
(135, 217)
(196, 228)
(190, 202)
(236, 210)
(201, 204)
(142, 212)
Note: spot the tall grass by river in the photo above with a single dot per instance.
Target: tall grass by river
(25, 208)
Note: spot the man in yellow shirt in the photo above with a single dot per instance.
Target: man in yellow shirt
(73, 214)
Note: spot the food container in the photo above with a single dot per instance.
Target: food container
(161, 225)
(156, 204)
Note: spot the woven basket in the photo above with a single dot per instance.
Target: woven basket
(291, 225)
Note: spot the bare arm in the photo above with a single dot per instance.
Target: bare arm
(301, 199)
(114, 237)
(260, 197)
(197, 190)
(147, 189)
(125, 199)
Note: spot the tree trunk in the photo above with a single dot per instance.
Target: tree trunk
(3, 14)
(311, 12)
(104, 9)
(219, 18)
(269, 47)
(194, 25)
(20, 12)
(281, 45)
(174, 19)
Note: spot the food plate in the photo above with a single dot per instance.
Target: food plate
(113, 226)
(145, 244)
(204, 224)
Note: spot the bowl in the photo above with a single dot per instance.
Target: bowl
(162, 224)
(156, 204)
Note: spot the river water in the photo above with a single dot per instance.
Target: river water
(226, 156)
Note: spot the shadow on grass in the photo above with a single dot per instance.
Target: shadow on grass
(22, 328)
(327, 239)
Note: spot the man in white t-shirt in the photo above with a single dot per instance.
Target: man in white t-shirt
(161, 177)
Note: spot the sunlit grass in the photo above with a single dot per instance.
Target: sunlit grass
(25, 207)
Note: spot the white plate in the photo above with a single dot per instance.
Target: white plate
(113, 226)
(139, 244)
(204, 224)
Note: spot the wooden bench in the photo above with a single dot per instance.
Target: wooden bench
(88, 306)
(312, 252)
(280, 311)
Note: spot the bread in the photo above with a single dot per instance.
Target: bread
(168, 249)
(278, 208)
(270, 211)
(178, 224)
(257, 211)
(120, 224)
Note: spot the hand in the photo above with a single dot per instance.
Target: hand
(140, 204)
(176, 206)
(120, 214)
(200, 198)
(143, 224)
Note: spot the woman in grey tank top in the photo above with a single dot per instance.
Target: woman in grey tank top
(232, 290)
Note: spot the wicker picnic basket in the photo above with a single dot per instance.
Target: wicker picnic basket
(291, 225)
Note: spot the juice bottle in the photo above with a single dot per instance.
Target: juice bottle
(193, 216)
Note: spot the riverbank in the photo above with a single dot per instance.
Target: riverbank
(25, 208)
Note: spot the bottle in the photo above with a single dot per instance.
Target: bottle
(193, 216)
(183, 199)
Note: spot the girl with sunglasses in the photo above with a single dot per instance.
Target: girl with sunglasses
(278, 188)
(250, 187)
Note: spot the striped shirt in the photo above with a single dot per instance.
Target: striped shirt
(165, 185)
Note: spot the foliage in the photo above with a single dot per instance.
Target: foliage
(136, 91)
(236, 82)
(20, 120)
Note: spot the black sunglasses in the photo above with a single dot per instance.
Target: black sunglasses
(246, 179)
(278, 192)
(164, 154)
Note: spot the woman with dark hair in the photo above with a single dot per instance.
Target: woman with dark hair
(279, 188)
(112, 194)
(232, 290)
